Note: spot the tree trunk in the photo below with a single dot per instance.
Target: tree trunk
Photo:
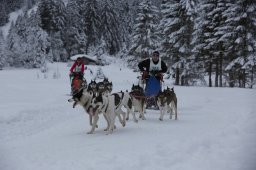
(231, 79)
(177, 76)
(210, 74)
(217, 74)
(240, 77)
(244, 78)
(220, 70)
(251, 84)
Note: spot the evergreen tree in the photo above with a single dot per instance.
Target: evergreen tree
(110, 28)
(57, 45)
(203, 48)
(125, 16)
(53, 16)
(28, 4)
(39, 48)
(177, 28)
(15, 45)
(91, 23)
(52, 13)
(10, 5)
(145, 38)
(74, 14)
(74, 41)
(2, 55)
(3, 13)
(242, 23)
(27, 43)
(73, 35)
(220, 30)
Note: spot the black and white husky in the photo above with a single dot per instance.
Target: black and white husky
(167, 102)
(84, 99)
(94, 105)
(127, 102)
(110, 106)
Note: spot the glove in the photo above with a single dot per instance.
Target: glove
(145, 75)
(159, 76)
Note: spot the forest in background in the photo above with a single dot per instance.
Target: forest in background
(198, 39)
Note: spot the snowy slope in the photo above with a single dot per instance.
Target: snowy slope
(39, 129)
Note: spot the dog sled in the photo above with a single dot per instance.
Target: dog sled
(150, 88)
(78, 82)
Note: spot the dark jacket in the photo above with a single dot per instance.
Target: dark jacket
(145, 65)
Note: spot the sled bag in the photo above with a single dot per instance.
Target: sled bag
(152, 87)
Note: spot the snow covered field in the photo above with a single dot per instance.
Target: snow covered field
(39, 129)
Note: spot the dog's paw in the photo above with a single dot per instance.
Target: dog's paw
(123, 124)
(160, 119)
(136, 121)
(90, 132)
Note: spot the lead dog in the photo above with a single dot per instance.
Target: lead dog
(167, 102)
(89, 102)
(84, 99)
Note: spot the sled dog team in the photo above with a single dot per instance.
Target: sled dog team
(97, 99)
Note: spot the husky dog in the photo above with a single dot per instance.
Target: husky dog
(92, 87)
(110, 106)
(101, 88)
(167, 102)
(127, 103)
(138, 100)
(105, 87)
(84, 99)
(109, 87)
(105, 80)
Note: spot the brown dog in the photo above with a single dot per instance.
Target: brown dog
(167, 102)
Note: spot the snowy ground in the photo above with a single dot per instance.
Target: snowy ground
(39, 129)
